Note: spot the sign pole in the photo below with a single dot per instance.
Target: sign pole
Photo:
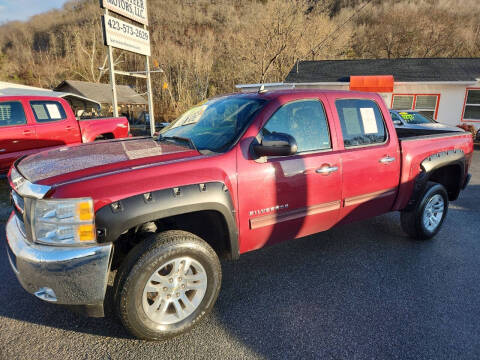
(150, 94)
(112, 78)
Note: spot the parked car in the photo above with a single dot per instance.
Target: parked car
(29, 124)
(408, 119)
(229, 176)
(141, 125)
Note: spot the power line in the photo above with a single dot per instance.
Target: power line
(320, 44)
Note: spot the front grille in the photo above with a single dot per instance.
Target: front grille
(18, 202)
(19, 209)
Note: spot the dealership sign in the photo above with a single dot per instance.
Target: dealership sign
(135, 10)
(122, 35)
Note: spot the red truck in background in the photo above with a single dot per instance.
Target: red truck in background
(232, 175)
(29, 124)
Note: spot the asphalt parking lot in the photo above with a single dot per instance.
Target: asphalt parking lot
(360, 291)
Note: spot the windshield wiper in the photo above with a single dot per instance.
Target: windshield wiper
(181, 139)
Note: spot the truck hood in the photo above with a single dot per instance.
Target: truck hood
(71, 162)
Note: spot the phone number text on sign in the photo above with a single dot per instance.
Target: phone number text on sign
(122, 35)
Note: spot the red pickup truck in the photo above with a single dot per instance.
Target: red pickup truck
(234, 174)
(29, 124)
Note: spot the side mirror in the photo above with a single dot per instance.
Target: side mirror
(276, 144)
(397, 122)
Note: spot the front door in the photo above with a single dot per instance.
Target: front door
(287, 197)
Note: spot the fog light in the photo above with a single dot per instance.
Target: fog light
(47, 294)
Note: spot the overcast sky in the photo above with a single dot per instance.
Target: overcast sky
(23, 9)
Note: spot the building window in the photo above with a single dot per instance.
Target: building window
(472, 105)
(403, 102)
(424, 104)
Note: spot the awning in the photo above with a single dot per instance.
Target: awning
(375, 83)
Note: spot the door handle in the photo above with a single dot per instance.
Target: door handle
(27, 132)
(326, 169)
(387, 159)
(3, 150)
(68, 128)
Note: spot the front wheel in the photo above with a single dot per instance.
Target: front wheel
(167, 284)
(425, 220)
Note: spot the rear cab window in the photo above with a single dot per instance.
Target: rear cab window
(361, 121)
(48, 111)
(12, 113)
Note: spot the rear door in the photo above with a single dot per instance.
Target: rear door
(17, 136)
(370, 159)
(52, 125)
(285, 197)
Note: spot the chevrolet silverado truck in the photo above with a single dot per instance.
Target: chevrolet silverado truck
(231, 175)
(29, 124)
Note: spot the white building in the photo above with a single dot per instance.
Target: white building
(446, 89)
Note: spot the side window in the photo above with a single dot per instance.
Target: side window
(362, 122)
(11, 113)
(305, 120)
(47, 111)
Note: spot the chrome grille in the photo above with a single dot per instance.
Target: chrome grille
(18, 202)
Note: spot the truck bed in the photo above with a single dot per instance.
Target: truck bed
(407, 134)
(417, 145)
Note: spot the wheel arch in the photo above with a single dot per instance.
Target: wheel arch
(198, 208)
(446, 168)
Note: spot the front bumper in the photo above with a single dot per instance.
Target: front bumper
(64, 275)
(467, 180)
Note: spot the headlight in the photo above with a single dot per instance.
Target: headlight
(64, 222)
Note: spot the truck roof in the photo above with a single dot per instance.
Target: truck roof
(272, 94)
(31, 97)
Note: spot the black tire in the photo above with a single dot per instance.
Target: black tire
(142, 262)
(412, 220)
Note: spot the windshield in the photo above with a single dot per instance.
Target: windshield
(214, 125)
(411, 117)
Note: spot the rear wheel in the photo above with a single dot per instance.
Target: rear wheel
(425, 220)
(167, 284)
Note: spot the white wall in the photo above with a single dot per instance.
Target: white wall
(452, 98)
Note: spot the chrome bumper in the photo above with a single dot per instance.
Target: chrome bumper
(63, 275)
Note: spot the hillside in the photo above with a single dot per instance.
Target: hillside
(206, 47)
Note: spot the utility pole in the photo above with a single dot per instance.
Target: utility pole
(150, 93)
(112, 78)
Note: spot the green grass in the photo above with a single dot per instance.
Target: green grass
(5, 207)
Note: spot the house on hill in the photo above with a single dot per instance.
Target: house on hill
(447, 89)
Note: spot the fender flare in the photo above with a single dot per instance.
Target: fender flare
(432, 163)
(114, 219)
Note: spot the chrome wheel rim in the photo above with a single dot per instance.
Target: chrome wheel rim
(433, 212)
(174, 291)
